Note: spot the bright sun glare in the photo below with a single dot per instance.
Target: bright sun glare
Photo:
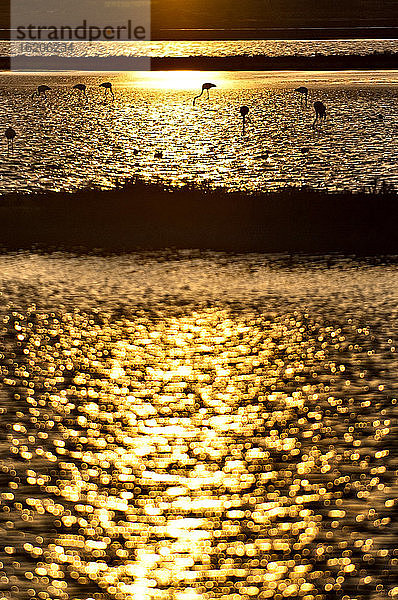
(173, 80)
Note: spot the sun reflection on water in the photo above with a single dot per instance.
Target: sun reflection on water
(204, 455)
(175, 80)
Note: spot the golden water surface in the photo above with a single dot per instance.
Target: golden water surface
(65, 142)
(190, 427)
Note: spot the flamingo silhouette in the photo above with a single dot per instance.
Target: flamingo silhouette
(82, 88)
(244, 111)
(108, 88)
(303, 91)
(205, 86)
(10, 134)
(41, 89)
(320, 112)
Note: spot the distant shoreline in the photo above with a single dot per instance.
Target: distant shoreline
(319, 62)
(275, 33)
(145, 216)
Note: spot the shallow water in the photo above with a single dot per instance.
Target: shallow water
(198, 426)
(204, 48)
(64, 142)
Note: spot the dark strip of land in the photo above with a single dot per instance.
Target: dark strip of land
(320, 62)
(139, 215)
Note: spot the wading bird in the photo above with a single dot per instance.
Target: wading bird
(320, 112)
(82, 88)
(303, 91)
(10, 135)
(108, 88)
(205, 86)
(42, 89)
(244, 111)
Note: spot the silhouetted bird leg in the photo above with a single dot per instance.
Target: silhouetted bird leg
(320, 113)
(246, 119)
(319, 119)
(315, 122)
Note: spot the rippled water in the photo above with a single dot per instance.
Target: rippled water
(207, 48)
(64, 142)
(198, 426)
